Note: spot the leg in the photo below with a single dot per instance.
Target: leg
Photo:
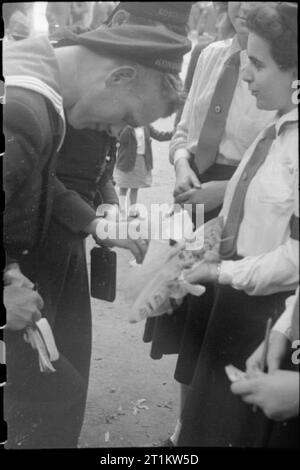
(184, 390)
(122, 200)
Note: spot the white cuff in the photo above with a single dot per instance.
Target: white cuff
(226, 272)
(178, 157)
(284, 324)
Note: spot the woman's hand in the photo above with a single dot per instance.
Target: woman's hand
(23, 306)
(112, 234)
(278, 348)
(202, 272)
(137, 247)
(14, 276)
(186, 178)
(210, 194)
(277, 394)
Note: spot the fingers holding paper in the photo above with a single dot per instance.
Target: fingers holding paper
(278, 347)
(23, 306)
(202, 272)
(277, 394)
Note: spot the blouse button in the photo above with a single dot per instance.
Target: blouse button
(218, 109)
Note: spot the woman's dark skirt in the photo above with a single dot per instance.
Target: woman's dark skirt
(213, 416)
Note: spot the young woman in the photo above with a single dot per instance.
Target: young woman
(259, 258)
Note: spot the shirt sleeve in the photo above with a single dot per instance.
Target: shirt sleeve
(179, 139)
(23, 146)
(266, 274)
(108, 192)
(284, 322)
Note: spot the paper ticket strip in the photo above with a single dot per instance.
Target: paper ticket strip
(41, 338)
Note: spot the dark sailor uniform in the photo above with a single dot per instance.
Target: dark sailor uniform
(42, 234)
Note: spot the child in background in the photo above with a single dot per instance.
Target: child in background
(135, 163)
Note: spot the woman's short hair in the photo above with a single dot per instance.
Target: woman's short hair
(276, 22)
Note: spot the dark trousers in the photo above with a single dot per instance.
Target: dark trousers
(47, 410)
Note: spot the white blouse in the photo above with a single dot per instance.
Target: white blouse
(244, 120)
(284, 322)
(270, 255)
(140, 140)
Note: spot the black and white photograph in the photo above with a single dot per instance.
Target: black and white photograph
(150, 229)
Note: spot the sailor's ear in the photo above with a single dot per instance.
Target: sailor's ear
(122, 75)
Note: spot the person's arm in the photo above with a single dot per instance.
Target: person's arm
(180, 156)
(75, 214)
(71, 210)
(277, 394)
(211, 194)
(271, 272)
(108, 192)
(23, 145)
(23, 304)
(266, 274)
(180, 138)
(276, 271)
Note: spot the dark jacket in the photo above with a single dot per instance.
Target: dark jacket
(29, 168)
(32, 190)
(128, 147)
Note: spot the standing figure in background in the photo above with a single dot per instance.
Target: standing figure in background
(62, 15)
(101, 13)
(223, 30)
(135, 163)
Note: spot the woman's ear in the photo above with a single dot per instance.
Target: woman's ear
(122, 75)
